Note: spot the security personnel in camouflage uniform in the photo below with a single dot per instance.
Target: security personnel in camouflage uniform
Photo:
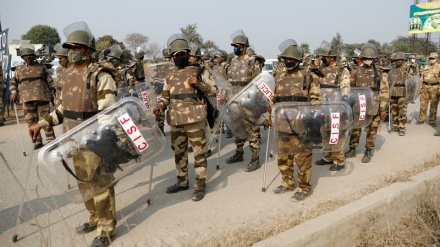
(367, 75)
(221, 67)
(61, 54)
(135, 72)
(428, 92)
(398, 107)
(243, 69)
(80, 100)
(412, 61)
(35, 86)
(183, 95)
(114, 57)
(335, 76)
(294, 84)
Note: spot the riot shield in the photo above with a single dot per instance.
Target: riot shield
(102, 150)
(360, 99)
(142, 91)
(412, 89)
(245, 109)
(155, 75)
(311, 127)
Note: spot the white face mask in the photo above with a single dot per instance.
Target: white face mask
(367, 62)
(413, 60)
(432, 61)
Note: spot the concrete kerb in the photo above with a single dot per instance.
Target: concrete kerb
(343, 226)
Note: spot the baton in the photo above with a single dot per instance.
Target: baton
(19, 130)
(263, 188)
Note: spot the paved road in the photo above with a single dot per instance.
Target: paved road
(233, 203)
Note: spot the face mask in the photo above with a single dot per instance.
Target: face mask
(367, 62)
(76, 57)
(237, 51)
(413, 60)
(114, 62)
(29, 59)
(63, 63)
(290, 65)
(324, 60)
(181, 62)
(432, 61)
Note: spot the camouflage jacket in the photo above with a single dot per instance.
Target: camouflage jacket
(431, 73)
(397, 77)
(85, 92)
(222, 69)
(375, 79)
(335, 77)
(300, 86)
(33, 83)
(241, 72)
(280, 67)
(135, 73)
(186, 104)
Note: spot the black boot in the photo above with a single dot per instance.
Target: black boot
(351, 153)
(254, 165)
(367, 156)
(237, 157)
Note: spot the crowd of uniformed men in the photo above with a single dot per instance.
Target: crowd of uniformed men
(86, 85)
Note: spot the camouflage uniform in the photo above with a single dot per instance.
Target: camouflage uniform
(334, 77)
(294, 87)
(364, 76)
(240, 74)
(430, 87)
(35, 86)
(398, 107)
(2, 89)
(135, 73)
(161, 71)
(96, 95)
(186, 116)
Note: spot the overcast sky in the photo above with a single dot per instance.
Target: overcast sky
(266, 23)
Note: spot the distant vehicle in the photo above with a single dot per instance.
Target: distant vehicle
(269, 65)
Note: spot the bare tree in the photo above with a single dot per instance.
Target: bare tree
(134, 40)
(153, 50)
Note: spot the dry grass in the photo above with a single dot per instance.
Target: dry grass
(263, 230)
(420, 227)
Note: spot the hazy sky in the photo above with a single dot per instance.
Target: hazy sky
(266, 23)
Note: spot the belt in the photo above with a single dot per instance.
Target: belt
(78, 115)
(291, 98)
(239, 83)
(31, 79)
(328, 86)
(430, 84)
(186, 96)
(399, 85)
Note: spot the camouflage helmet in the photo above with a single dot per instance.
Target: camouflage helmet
(79, 33)
(239, 38)
(368, 51)
(178, 42)
(166, 53)
(115, 51)
(224, 53)
(250, 52)
(398, 56)
(195, 50)
(27, 49)
(60, 51)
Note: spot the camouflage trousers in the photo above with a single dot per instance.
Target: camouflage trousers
(371, 134)
(2, 107)
(428, 94)
(35, 111)
(195, 133)
(398, 110)
(254, 141)
(338, 157)
(290, 150)
(98, 193)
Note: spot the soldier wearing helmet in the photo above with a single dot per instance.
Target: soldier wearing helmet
(367, 75)
(400, 72)
(289, 87)
(183, 95)
(61, 54)
(135, 72)
(221, 67)
(428, 93)
(412, 62)
(334, 76)
(242, 70)
(35, 86)
(81, 101)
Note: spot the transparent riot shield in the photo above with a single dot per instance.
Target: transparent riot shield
(310, 127)
(155, 75)
(244, 111)
(143, 91)
(102, 150)
(412, 89)
(360, 99)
